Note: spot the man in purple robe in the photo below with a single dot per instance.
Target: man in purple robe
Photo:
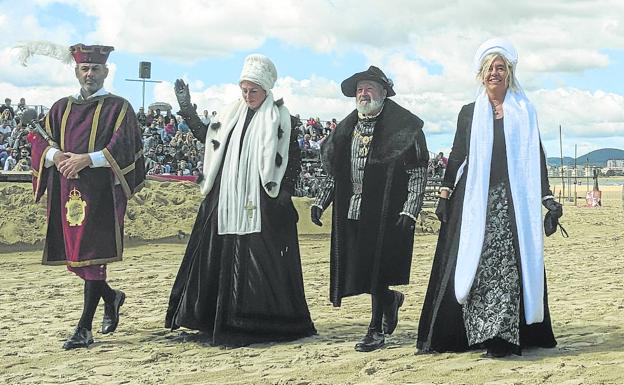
(90, 163)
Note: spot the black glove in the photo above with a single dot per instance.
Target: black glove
(315, 215)
(555, 208)
(442, 210)
(183, 94)
(405, 223)
(188, 112)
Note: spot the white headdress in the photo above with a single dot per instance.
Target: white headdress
(495, 45)
(502, 47)
(259, 69)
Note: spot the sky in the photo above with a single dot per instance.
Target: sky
(571, 55)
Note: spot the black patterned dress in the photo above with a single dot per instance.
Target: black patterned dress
(494, 307)
(493, 304)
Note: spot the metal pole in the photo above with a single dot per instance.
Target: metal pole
(587, 173)
(143, 80)
(575, 175)
(561, 163)
(143, 104)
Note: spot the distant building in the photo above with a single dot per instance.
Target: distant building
(615, 167)
(615, 164)
(581, 171)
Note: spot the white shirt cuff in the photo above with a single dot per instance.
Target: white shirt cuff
(409, 215)
(49, 158)
(98, 159)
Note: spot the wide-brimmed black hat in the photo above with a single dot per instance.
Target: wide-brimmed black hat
(373, 73)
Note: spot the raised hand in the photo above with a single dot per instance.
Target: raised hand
(183, 94)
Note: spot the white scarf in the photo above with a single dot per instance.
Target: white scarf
(239, 195)
(522, 143)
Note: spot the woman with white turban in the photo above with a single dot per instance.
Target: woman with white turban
(487, 287)
(240, 280)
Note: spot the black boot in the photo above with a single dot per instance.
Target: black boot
(391, 312)
(111, 312)
(81, 338)
(373, 340)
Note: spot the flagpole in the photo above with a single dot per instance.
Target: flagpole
(561, 162)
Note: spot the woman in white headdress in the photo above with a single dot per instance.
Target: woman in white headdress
(240, 280)
(487, 287)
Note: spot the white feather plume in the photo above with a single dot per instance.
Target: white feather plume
(30, 48)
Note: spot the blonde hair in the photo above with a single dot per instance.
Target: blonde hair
(485, 69)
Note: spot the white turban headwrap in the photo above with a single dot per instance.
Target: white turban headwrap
(259, 69)
(496, 45)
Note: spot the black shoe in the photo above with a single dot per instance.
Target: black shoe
(373, 340)
(391, 314)
(82, 338)
(497, 348)
(111, 313)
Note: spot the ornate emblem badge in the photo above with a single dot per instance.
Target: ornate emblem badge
(76, 208)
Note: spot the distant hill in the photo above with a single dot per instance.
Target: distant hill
(596, 158)
(556, 162)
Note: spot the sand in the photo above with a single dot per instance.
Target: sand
(39, 305)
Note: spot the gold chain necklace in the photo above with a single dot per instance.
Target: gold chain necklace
(365, 141)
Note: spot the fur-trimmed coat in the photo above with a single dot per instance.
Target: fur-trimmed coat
(384, 252)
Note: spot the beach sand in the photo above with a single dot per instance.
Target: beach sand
(40, 305)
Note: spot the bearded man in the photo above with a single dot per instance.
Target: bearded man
(376, 159)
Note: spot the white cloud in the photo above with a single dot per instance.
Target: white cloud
(43, 81)
(305, 97)
(582, 114)
(404, 37)
(196, 29)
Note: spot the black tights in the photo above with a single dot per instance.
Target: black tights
(93, 291)
(379, 300)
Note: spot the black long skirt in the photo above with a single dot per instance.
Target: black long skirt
(441, 326)
(242, 289)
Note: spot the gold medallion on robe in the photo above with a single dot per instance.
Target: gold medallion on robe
(364, 145)
(76, 208)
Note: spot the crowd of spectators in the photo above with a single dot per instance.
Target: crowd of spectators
(168, 144)
(310, 136)
(437, 166)
(171, 149)
(14, 146)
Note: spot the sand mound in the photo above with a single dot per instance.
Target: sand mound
(162, 210)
